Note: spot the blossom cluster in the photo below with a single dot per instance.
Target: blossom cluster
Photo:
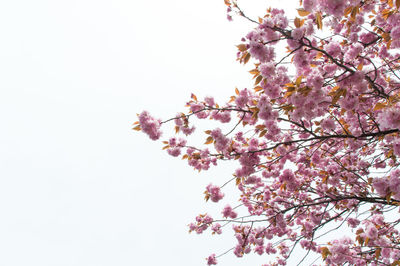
(214, 192)
(150, 125)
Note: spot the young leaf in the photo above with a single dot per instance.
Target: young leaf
(209, 140)
(319, 20)
(302, 12)
(242, 47)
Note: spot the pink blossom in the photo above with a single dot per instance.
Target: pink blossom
(267, 70)
(211, 260)
(175, 152)
(216, 228)
(349, 102)
(353, 37)
(203, 222)
(298, 33)
(188, 130)
(215, 193)
(228, 212)
(182, 124)
(209, 101)
(261, 52)
(353, 222)
(238, 251)
(315, 80)
(333, 7)
(394, 185)
(150, 125)
(309, 5)
(301, 60)
(371, 231)
(247, 162)
(269, 249)
(309, 28)
(386, 252)
(396, 147)
(328, 124)
(330, 68)
(390, 118)
(359, 19)
(367, 37)
(280, 19)
(192, 227)
(259, 250)
(224, 117)
(243, 98)
(221, 142)
(334, 49)
(354, 50)
(382, 186)
(198, 109)
(395, 33)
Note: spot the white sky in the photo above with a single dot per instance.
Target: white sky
(77, 186)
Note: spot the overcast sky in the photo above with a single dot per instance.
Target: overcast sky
(77, 185)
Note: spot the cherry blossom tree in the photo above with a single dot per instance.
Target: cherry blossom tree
(316, 138)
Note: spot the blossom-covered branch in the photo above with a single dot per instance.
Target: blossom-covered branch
(316, 137)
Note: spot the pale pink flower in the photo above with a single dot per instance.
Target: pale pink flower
(211, 260)
(216, 228)
(228, 212)
(371, 231)
(150, 125)
(298, 33)
(215, 193)
(353, 222)
(309, 5)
